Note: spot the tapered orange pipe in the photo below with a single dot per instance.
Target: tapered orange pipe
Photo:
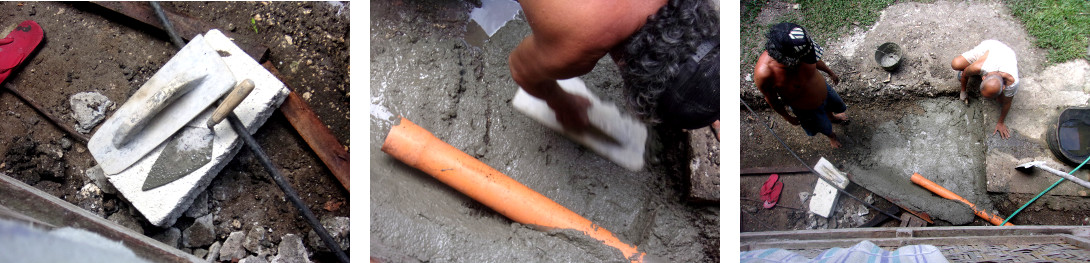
(941, 191)
(420, 149)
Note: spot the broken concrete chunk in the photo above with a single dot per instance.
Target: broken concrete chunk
(254, 238)
(703, 166)
(291, 250)
(172, 237)
(253, 259)
(89, 109)
(232, 247)
(98, 177)
(200, 253)
(125, 218)
(200, 234)
(338, 228)
(200, 206)
(213, 252)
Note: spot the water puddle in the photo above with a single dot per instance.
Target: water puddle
(489, 18)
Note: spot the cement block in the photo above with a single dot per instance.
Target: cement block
(824, 199)
(703, 166)
(163, 205)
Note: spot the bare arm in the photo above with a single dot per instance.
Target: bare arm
(821, 66)
(773, 99)
(1001, 127)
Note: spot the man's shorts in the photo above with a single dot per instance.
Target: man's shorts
(816, 120)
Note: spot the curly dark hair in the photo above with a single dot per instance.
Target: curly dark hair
(670, 65)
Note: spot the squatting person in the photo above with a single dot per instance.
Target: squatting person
(997, 66)
(787, 75)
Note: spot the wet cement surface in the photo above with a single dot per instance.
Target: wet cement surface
(422, 69)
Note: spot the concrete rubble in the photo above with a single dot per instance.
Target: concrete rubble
(89, 109)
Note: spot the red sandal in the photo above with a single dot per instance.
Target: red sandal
(17, 45)
(770, 191)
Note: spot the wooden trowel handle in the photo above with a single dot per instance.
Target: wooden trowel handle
(233, 99)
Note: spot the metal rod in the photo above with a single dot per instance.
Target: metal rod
(167, 25)
(37, 107)
(283, 184)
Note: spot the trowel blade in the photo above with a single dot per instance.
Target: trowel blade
(187, 151)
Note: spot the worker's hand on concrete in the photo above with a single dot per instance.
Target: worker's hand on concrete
(1002, 130)
(835, 78)
(964, 97)
(571, 110)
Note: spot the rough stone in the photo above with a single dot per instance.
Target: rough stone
(200, 206)
(200, 234)
(171, 237)
(89, 198)
(125, 218)
(232, 247)
(200, 252)
(254, 238)
(338, 228)
(89, 109)
(98, 177)
(213, 251)
(253, 259)
(291, 250)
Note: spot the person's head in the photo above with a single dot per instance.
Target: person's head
(670, 65)
(991, 85)
(789, 44)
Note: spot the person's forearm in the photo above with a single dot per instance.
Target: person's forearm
(821, 66)
(528, 75)
(1006, 107)
(964, 80)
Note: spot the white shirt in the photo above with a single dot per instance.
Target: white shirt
(1000, 58)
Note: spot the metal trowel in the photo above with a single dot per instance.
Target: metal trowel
(616, 136)
(191, 148)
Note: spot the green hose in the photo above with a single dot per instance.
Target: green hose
(1043, 192)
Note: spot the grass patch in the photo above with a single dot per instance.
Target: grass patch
(826, 20)
(1060, 26)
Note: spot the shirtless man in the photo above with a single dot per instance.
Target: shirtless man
(787, 75)
(997, 66)
(671, 82)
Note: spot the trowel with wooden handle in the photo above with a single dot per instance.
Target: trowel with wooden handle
(191, 148)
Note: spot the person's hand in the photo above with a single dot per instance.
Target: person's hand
(964, 97)
(836, 79)
(571, 111)
(1002, 130)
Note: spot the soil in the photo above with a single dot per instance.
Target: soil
(911, 123)
(423, 68)
(89, 48)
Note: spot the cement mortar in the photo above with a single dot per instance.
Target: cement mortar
(423, 70)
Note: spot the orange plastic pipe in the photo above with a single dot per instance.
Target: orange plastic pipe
(420, 149)
(941, 191)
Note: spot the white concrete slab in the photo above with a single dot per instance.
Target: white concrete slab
(825, 194)
(163, 205)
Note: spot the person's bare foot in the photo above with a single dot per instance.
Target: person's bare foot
(839, 118)
(834, 141)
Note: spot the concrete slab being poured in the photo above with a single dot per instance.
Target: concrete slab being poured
(163, 204)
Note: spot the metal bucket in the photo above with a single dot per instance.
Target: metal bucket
(888, 56)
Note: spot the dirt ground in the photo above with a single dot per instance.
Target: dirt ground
(912, 123)
(423, 68)
(88, 48)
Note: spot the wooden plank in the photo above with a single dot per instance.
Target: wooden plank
(774, 170)
(31, 202)
(314, 132)
(186, 27)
